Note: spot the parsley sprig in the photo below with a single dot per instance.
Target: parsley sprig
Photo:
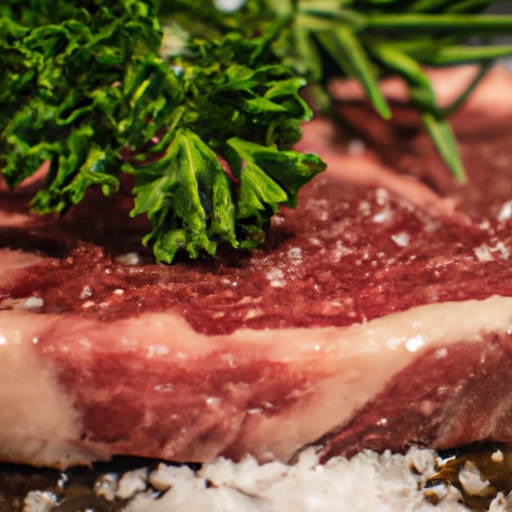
(84, 87)
(203, 106)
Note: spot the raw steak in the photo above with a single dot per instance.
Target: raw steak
(366, 320)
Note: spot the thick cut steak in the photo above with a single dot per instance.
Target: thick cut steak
(366, 320)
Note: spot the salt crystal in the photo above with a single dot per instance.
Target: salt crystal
(436, 493)
(365, 208)
(253, 313)
(414, 344)
(381, 196)
(106, 486)
(132, 483)
(393, 343)
(506, 211)
(39, 501)
(384, 216)
(166, 477)
(340, 251)
(30, 303)
(497, 456)
(401, 239)
(471, 480)
(276, 278)
(500, 504)
(504, 252)
(483, 253)
(86, 292)
(441, 353)
(131, 258)
(295, 254)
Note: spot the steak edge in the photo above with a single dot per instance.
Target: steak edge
(75, 390)
(346, 328)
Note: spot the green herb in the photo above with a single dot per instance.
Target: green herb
(203, 106)
(85, 88)
(372, 39)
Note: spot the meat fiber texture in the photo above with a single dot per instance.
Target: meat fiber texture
(377, 315)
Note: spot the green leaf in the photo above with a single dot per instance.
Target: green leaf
(100, 169)
(444, 139)
(97, 88)
(222, 226)
(179, 197)
(290, 169)
(259, 195)
(345, 49)
(468, 6)
(422, 95)
(429, 5)
(303, 56)
(420, 89)
(474, 24)
(450, 55)
(268, 178)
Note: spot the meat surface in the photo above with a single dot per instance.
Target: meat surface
(372, 317)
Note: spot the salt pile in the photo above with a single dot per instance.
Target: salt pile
(367, 482)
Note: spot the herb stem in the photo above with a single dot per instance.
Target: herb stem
(437, 22)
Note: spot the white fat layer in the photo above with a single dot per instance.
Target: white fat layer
(358, 362)
(37, 421)
(345, 368)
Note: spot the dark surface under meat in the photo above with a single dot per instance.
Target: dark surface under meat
(74, 488)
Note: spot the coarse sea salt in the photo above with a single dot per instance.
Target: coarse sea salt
(401, 239)
(276, 278)
(368, 481)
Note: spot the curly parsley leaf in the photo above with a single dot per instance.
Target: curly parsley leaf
(203, 106)
(177, 193)
(231, 103)
(83, 86)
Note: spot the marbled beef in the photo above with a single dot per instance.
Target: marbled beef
(372, 317)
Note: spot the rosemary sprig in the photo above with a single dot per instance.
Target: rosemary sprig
(372, 39)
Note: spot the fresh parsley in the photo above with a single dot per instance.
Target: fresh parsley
(202, 106)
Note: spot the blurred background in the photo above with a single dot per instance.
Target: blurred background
(503, 7)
